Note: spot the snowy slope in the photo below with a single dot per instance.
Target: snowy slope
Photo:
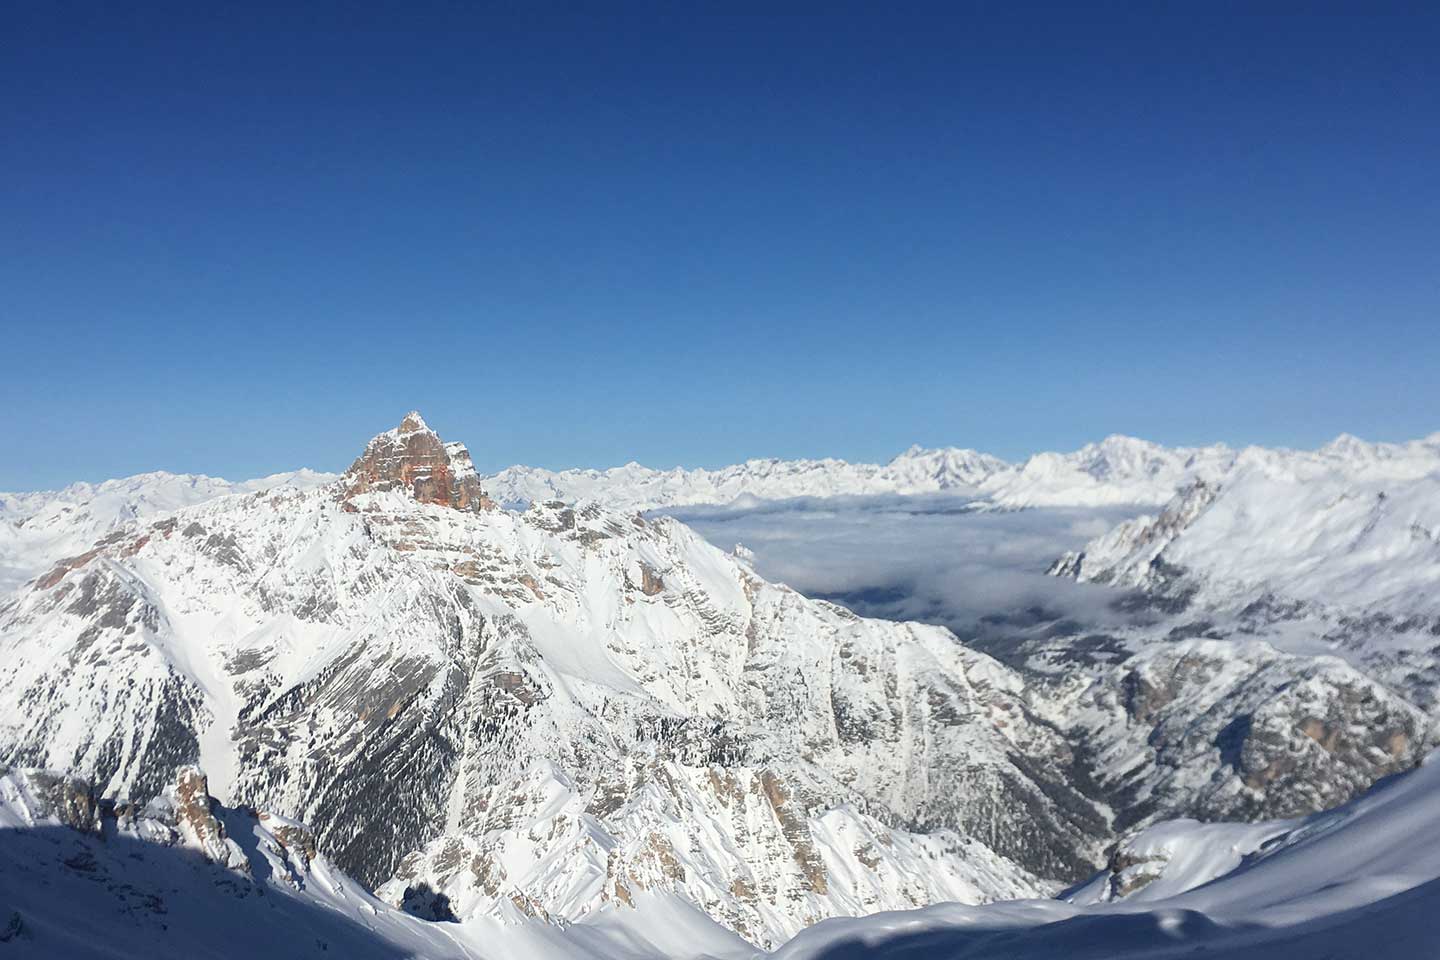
(1362, 881)
(184, 876)
(38, 529)
(572, 713)
(1117, 470)
(80, 877)
(564, 708)
(1353, 524)
(1330, 554)
(1280, 654)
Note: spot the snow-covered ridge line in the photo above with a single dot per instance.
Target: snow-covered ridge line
(1116, 470)
(23, 503)
(566, 709)
(38, 529)
(1351, 524)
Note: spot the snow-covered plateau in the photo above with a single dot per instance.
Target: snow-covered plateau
(571, 726)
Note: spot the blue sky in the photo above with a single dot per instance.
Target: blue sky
(242, 241)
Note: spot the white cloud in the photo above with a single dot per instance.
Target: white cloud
(936, 559)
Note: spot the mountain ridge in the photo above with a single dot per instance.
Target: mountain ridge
(601, 680)
(1136, 471)
(574, 707)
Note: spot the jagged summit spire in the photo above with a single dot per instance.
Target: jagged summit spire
(412, 457)
(414, 423)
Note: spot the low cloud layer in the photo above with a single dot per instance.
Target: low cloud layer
(935, 559)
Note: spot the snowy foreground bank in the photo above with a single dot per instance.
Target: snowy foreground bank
(187, 877)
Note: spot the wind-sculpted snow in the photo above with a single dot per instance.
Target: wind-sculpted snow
(539, 713)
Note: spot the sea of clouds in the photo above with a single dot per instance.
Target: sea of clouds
(939, 559)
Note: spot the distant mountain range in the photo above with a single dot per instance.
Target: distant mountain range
(560, 715)
(36, 528)
(1115, 470)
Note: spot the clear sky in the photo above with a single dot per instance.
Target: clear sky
(242, 240)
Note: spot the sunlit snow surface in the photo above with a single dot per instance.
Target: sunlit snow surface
(1358, 882)
(1117, 470)
(141, 888)
(1352, 523)
(37, 529)
(1348, 531)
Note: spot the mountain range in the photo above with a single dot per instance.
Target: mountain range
(533, 702)
(1116, 470)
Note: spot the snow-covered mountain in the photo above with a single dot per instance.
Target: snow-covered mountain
(573, 713)
(182, 875)
(81, 877)
(1352, 524)
(539, 712)
(1282, 654)
(1358, 883)
(633, 487)
(1116, 470)
(37, 529)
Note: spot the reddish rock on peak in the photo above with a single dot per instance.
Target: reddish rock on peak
(412, 457)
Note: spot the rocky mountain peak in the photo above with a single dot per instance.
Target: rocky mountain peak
(413, 458)
(414, 423)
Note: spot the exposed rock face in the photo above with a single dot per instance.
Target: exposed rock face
(412, 458)
(537, 713)
(195, 819)
(1131, 872)
(182, 814)
(136, 888)
(1283, 654)
(1281, 735)
(295, 839)
(69, 800)
(540, 713)
(1217, 723)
